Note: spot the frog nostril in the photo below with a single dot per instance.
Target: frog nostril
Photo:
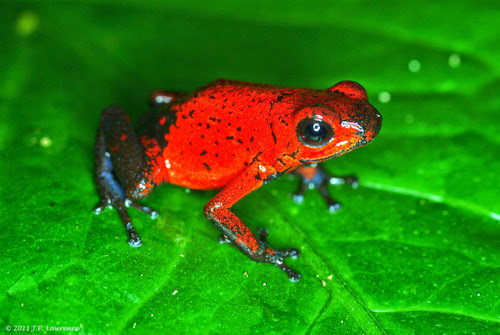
(376, 123)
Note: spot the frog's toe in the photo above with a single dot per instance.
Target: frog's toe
(121, 207)
(276, 257)
(135, 241)
(263, 232)
(101, 206)
(298, 198)
(223, 239)
(333, 206)
(353, 181)
(349, 180)
(292, 253)
(292, 275)
(153, 214)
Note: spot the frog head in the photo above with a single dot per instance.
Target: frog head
(341, 123)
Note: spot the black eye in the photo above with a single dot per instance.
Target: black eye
(314, 133)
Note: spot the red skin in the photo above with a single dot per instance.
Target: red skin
(236, 136)
(231, 124)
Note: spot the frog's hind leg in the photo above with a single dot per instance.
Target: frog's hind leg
(120, 164)
(314, 176)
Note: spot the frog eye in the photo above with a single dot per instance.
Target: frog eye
(350, 89)
(314, 133)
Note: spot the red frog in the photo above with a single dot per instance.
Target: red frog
(235, 136)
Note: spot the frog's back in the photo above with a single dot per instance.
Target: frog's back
(216, 133)
(220, 128)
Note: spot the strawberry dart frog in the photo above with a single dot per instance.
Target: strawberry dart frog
(234, 136)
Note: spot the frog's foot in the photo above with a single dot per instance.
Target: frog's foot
(314, 176)
(134, 240)
(274, 256)
(113, 196)
(294, 253)
(103, 204)
(270, 255)
(120, 206)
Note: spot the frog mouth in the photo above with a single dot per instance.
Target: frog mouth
(361, 143)
(319, 160)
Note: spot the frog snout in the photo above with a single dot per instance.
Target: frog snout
(376, 123)
(372, 126)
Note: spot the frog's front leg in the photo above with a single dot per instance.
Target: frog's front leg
(218, 210)
(120, 165)
(314, 176)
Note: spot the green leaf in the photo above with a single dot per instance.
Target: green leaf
(414, 249)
